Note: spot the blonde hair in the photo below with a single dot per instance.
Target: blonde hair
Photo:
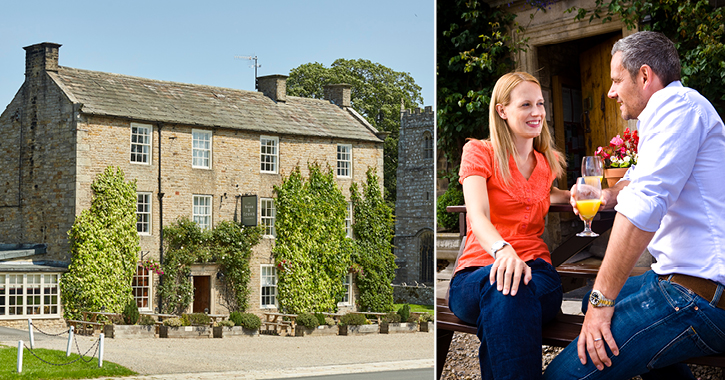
(501, 137)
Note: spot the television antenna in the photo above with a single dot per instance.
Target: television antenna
(251, 58)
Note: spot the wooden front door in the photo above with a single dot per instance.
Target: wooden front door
(604, 118)
(202, 294)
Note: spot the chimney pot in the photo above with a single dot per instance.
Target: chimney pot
(41, 57)
(274, 87)
(338, 94)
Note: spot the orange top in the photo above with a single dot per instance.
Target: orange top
(517, 210)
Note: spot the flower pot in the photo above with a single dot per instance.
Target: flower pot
(396, 328)
(613, 175)
(129, 331)
(185, 332)
(426, 326)
(319, 330)
(358, 329)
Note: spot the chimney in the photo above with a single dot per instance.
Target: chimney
(41, 57)
(274, 87)
(338, 94)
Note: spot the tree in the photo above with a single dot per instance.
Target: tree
(104, 249)
(377, 94)
(373, 228)
(474, 48)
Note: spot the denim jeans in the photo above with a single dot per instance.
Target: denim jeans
(509, 327)
(656, 324)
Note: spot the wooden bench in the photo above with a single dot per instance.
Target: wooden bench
(565, 327)
(85, 327)
(378, 316)
(278, 323)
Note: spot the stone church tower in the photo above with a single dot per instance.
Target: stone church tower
(414, 208)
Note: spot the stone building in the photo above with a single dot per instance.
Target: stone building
(194, 151)
(414, 207)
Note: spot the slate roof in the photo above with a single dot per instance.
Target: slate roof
(142, 99)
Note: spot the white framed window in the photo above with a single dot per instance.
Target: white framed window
(269, 154)
(268, 215)
(141, 143)
(348, 220)
(344, 160)
(427, 145)
(347, 297)
(143, 213)
(268, 286)
(141, 288)
(202, 211)
(23, 294)
(201, 149)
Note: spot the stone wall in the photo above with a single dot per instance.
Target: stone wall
(37, 189)
(416, 295)
(414, 209)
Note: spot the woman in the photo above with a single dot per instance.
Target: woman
(504, 281)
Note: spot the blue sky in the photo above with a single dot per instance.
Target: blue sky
(197, 41)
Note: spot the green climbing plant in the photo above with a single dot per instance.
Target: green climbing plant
(373, 228)
(311, 250)
(228, 244)
(104, 249)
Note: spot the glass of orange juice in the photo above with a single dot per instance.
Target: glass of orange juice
(588, 197)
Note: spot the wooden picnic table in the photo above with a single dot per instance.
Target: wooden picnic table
(218, 317)
(276, 320)
(378, 316)
(334, 316)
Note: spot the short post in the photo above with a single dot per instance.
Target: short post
(20, 356)
(70, 339)
(100, 350)
(30, 332)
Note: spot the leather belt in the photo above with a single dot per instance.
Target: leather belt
(700, 286)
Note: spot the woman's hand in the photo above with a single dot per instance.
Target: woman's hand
(507, 271)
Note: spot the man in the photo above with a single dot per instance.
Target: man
(672, 203)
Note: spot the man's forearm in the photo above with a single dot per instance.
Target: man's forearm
(626, 244)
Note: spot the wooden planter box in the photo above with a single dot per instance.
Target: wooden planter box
(319, 330)
(129, 331)
(233, 331)
(185, 332)
(358, 330)
(426, 326)
(396, 328)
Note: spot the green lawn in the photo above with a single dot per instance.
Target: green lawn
(415, 308)
(35, 369)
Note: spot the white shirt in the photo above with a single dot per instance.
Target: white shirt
(678, 186)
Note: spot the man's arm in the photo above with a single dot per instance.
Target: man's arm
(625, 246)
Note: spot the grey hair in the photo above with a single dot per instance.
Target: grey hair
(652, 49)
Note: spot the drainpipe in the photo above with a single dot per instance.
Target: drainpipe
(161, 217)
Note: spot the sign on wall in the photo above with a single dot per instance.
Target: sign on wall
(249, 210)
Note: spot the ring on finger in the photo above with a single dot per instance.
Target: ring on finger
(598, 339)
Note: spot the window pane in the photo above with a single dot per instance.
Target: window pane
(140, 144)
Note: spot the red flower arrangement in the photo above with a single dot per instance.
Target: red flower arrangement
(621, 152)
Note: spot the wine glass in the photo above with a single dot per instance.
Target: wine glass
(593, 166)
(588, 197)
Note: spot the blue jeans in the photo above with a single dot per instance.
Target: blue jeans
(509, 327)
(656, 324)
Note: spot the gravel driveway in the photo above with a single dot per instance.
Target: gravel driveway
(264, 353)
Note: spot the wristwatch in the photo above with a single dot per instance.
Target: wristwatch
(597, 299)
(497, 246)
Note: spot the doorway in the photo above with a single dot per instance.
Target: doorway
(202, 294)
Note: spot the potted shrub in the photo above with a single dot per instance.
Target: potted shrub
(392, 322)
(195, 325)
(352, 323)
(425, 322)
(219, 328)
(305, 324)
(130, 324)
(245, 324)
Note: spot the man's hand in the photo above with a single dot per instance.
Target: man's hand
(507, 271)
(594, 335)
